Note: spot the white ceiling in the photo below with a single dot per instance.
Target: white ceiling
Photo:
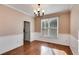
(49, 8)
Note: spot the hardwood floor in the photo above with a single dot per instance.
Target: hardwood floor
(40, 48)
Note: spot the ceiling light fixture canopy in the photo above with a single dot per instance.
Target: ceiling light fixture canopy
(38, 11)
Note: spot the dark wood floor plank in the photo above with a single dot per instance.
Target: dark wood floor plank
(34, 48)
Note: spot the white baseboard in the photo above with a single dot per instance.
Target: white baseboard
(63, 39)
(10, 42)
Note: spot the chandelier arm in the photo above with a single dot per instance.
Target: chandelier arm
(38, 11)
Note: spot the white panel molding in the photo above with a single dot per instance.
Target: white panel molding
(10, 42)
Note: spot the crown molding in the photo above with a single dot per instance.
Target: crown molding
(18, 10)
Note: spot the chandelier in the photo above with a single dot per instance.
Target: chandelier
(38, 11)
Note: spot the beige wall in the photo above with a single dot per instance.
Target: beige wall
(75, 21)
(37, 24)
(11, 21)
(64, 21)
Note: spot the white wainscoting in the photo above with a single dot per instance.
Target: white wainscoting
(10, 42)
(63, 39)
(35, 36)
(74, 45)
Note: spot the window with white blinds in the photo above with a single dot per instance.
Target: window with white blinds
(49, 27)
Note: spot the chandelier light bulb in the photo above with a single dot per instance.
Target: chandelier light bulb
(35, 11)
(43, 11)
(38, 9)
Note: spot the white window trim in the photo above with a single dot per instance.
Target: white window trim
(57, 18)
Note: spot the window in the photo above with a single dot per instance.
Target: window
(44, 27)
(49, 27)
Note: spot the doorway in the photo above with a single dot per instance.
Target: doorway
(26, 31)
